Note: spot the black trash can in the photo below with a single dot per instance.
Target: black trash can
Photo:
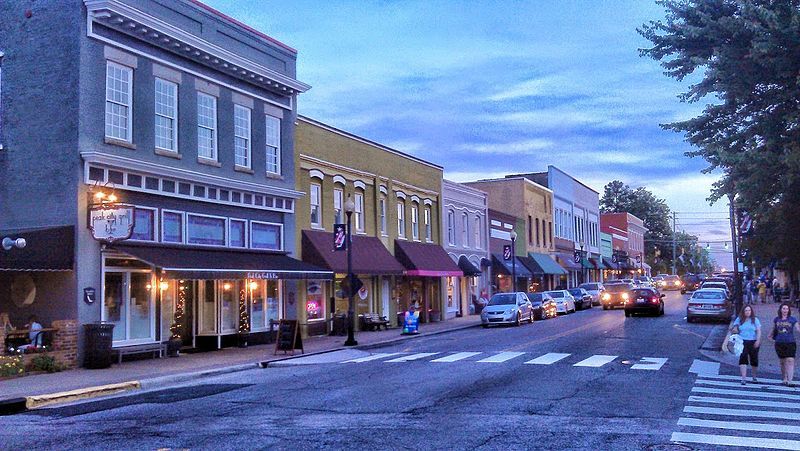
(339, 325)
(97, 346)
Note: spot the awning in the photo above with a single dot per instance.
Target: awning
(566, 260)
(370, 256)
(609, 264)
(585, 263)
(596, 263)
(506, 267)
(46, 249)
(209, 263)
(467, 267)
(531, 264)
(485, 262)
(427, 260)
(547, 264)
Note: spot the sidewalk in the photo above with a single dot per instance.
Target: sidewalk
(151, 373)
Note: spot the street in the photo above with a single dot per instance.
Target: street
(589, 380)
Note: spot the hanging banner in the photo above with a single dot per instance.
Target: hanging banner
(339, 237)
(111, 223)
(506, 252)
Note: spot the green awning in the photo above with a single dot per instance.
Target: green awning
(585, 263)
(548, 265)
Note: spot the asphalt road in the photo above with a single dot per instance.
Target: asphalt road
(482, 393)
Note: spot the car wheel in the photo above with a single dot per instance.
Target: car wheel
(689, 319)
(605, 307)
(530, 317)
(517, 322)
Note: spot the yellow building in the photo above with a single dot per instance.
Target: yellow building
(395, 225)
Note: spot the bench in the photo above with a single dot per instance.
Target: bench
(140, 349)
(373, 321)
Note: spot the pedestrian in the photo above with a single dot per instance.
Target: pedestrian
(747, 291)
(784, 326)
(749, 328)
(762, 291)
(776, 290)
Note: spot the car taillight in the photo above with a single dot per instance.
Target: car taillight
(654, 299)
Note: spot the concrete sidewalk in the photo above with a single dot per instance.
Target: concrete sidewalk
(151, 373)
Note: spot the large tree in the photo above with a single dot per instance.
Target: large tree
(748, 53)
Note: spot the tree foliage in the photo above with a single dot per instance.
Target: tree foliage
(748, 52)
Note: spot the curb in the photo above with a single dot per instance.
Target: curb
(716, 339)
(161, 381)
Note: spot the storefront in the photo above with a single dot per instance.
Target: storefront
(504, 270)
(550, 270)
(574, 270)
(425, 267)
(462, 292)
(611, 271)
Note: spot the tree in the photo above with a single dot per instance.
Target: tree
(749, 55)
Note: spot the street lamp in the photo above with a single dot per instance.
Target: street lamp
(349, 207)
(513, 261)
(583, 270)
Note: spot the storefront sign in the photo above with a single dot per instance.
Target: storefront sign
(262, 275)
(411, 323)
(112, 223)
(89, 295)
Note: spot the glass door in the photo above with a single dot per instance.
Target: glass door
(114, 305)
(207, 308)
(230, 306)
(128, 303)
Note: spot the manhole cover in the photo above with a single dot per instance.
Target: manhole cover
(668, 447)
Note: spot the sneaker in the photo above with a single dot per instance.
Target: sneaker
(755, 381)
(744, 382)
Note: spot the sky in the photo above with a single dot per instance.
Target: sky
(488, 88)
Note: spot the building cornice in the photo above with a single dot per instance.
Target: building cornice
(133, 22)
(308, 162)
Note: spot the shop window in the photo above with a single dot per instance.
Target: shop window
(151, 183)
(172, 226)
(135, 180)
(315, 300)
(184, 189)
(97, 174)
(205, 230)
(265, 235)
(115, 177)
(238, 233)
(128, 304)
(265, 303)
(145, 224)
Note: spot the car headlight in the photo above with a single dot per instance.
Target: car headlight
(510, 311)
(606, 296)
(625, 296)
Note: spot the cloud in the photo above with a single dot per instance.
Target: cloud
(549, 85)
(510, 148)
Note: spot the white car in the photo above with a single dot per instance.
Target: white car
(507, 308)
(565, 303)
(596, 289)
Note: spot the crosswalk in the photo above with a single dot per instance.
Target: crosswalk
(722, 412)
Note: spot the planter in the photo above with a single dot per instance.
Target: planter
(174, 347)
(243, 338)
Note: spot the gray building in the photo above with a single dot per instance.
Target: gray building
(176, 110)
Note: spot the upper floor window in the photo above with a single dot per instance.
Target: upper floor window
(464, 230)
(537, 232)
(166, 95)
(338, 199)
(401, 219)
(427, 219)
(382, 213)
(316, 210)
(530, 230)
(414, 221)
(241, 135)
(451, 228)
(206, 126)
(119, 92)
(477, 231)
(359, 211)
(273, 145)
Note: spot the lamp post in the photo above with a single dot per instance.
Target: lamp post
(349, 207)
(513, 261)
(583, 270)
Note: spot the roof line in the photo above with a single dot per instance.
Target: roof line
(573, 178)
(241, 24)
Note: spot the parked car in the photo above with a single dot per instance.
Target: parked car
(543, 305)
(616, 295)
(719, 285)
(644, 300)
(643, 281)
(726, 280)
(670, 283)
(582, 298)
(691, 282)
(628, 281)
(565, 303)
(595, 289)
(507, 308)
(709, 303)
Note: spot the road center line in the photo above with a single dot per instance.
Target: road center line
(548, 359)
(596, 360)
(456, 357)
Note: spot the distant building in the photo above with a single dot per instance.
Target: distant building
(627, 237)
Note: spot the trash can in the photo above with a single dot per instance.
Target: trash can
(339, 325)
(97, 346)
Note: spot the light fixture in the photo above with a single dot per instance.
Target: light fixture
(349, 205)
(99, 195)
(226, 286)
(513, 235)
(9, 243)
(253, 285)
(163, 285)
(148, 286)
(112, 197)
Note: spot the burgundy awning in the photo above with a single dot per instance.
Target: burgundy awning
(370, 256)
(427, 260)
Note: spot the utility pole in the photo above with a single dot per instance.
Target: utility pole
(737, 283)
(674, 244)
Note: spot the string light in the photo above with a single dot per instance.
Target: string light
(244, 315)
(180, 304)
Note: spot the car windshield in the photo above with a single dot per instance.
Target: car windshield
(503, 299)
(618, 287)
(590, 286)
(576, 291)
(640, 292)
(556, 294)
(671, 278)
(707, 295)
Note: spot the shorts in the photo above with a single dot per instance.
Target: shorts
(750, 353)
(786, 350)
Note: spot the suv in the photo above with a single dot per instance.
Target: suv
(672, 282)
(616, 295)
(691, 282)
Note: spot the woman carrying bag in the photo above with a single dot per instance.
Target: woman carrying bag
(749, 328)
(783, 335)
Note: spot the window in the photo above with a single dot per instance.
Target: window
(264, 235)
(338, 200)
(359, 212)
(206, 126)
(401, 219)
(382, 213)
(171, 226)
(273, 145)
(451, 228)
(205, 230)
(537, 232)
(119, 85)
(530, 230)
(145, 224)
(427, 219)
(550, 231)
(265, 303)
(128, 303)
(166, 94)
(464, 230)
(316, 211)
(414, 221)
(241, 136)
(238, 232)
(477, 232)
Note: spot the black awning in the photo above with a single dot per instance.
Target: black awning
(209, 263)
(467, 267)
(46, 249)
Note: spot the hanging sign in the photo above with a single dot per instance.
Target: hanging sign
(506, 252)
(339, 241)
(576, 256)
(112, 223)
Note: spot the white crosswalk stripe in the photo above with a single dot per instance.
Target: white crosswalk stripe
(650, 363)
(596, 361)
(372, 357)
(408, 358)
(502, 357)
(763, 415)
(456, 357)
(548, 359)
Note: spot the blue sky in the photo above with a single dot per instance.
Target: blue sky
(486, 88)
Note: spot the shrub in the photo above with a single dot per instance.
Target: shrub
(11, 366)
(44, 362)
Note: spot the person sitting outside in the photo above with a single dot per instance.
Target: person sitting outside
(34, 335)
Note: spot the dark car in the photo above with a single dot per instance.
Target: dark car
(645, 300)
(691, 282)
(544, 306)
(615, 295)
(582, 298)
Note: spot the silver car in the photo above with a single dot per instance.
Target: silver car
(507, 308)
(709, 303)
(596, 289)
(565, 303)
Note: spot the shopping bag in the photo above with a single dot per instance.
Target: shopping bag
(735, 344)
